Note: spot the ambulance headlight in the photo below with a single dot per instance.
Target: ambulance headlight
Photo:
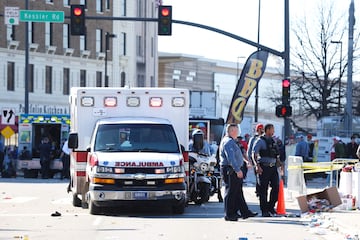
(101, 169)
(175, 169)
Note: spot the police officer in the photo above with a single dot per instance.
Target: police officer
(265, 154)
(231, 161)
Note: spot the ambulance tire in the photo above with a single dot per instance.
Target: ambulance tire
(76, 200)
(93, 209)
(178, 209)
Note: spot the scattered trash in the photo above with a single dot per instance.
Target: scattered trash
(56, 214)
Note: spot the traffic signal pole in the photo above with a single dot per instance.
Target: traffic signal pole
(287, 128)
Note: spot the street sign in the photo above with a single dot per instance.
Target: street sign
(8, 116)
(41, 16)
(11, 15)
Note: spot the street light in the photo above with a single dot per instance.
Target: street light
(339, 42)
(107, 36)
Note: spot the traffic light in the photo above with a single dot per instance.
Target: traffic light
(77, 20)
(283, 110)
(286, 91)
(164, 20)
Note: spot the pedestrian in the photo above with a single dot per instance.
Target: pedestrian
(302, 149)
(65, 158)
(265, 154)
(339, 148)
(2, 155)
(25, 154)
(352, 147)
(259, 130)
(45, 150)
(311, 147)
(231, 161)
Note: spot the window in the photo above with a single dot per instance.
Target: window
(123, 43)
(66, 81)
(83, 2)
(139, 50)
(141, 81)
(31, 78)
(99, 40)
(98, 79)
(10, 32)
(99, 6)
(82, 78)
(122, 79)
(31, 33)
(48, 34)
(48, 79)
(107, 4)
(82, 43)
(10, 76)
(66, 34)
(123, 7)
(66, 3)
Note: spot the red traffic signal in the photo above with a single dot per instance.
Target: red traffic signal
(77, 11)
(77, 20)
(286, 91)
(164, 20)
(283, 110)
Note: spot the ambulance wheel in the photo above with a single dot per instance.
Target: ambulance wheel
(76, 200)
(93, 209)
(178, 209)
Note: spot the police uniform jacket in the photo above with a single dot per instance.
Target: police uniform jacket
(230, 154)
(261, 147)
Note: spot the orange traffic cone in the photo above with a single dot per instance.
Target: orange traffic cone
(280, 210)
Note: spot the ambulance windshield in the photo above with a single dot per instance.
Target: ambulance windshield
(136, 138)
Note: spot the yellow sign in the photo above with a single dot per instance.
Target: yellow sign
(7, 132)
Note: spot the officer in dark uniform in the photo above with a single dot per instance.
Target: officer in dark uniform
(231, 161)
(265, 154)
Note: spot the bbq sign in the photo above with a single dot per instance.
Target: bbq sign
(249, 78)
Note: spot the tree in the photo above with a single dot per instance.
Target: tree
(315, 63)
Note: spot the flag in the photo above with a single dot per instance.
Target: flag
(250, 76)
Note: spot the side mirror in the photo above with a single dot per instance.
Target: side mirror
(73, 141)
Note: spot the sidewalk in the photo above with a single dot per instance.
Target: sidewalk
(345, 224)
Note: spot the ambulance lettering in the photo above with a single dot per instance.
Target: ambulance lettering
(139, 164)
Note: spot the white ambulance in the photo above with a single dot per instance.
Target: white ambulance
(129, 146)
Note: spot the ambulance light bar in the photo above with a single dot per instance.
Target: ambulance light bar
(87, 101)
(133, 101)
(178, 102)
(155, 102)
(110, 101)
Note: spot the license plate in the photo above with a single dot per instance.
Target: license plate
(140, 195)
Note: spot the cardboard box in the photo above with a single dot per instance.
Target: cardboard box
(331, 194)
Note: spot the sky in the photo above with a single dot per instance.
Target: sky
(239, 17)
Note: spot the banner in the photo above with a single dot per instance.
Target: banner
(250, 76)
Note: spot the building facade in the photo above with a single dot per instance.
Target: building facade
(57, 61)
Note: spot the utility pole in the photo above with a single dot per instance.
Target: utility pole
(348, 111)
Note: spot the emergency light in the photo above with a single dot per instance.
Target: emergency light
(110, 101)
(133, 101)
(178, 102)
(155, 102)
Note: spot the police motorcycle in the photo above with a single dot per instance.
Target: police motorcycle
(204, 177)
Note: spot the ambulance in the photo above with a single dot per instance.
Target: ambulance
(32, 128)
(129, 146)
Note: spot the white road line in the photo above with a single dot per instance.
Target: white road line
(97, 221)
